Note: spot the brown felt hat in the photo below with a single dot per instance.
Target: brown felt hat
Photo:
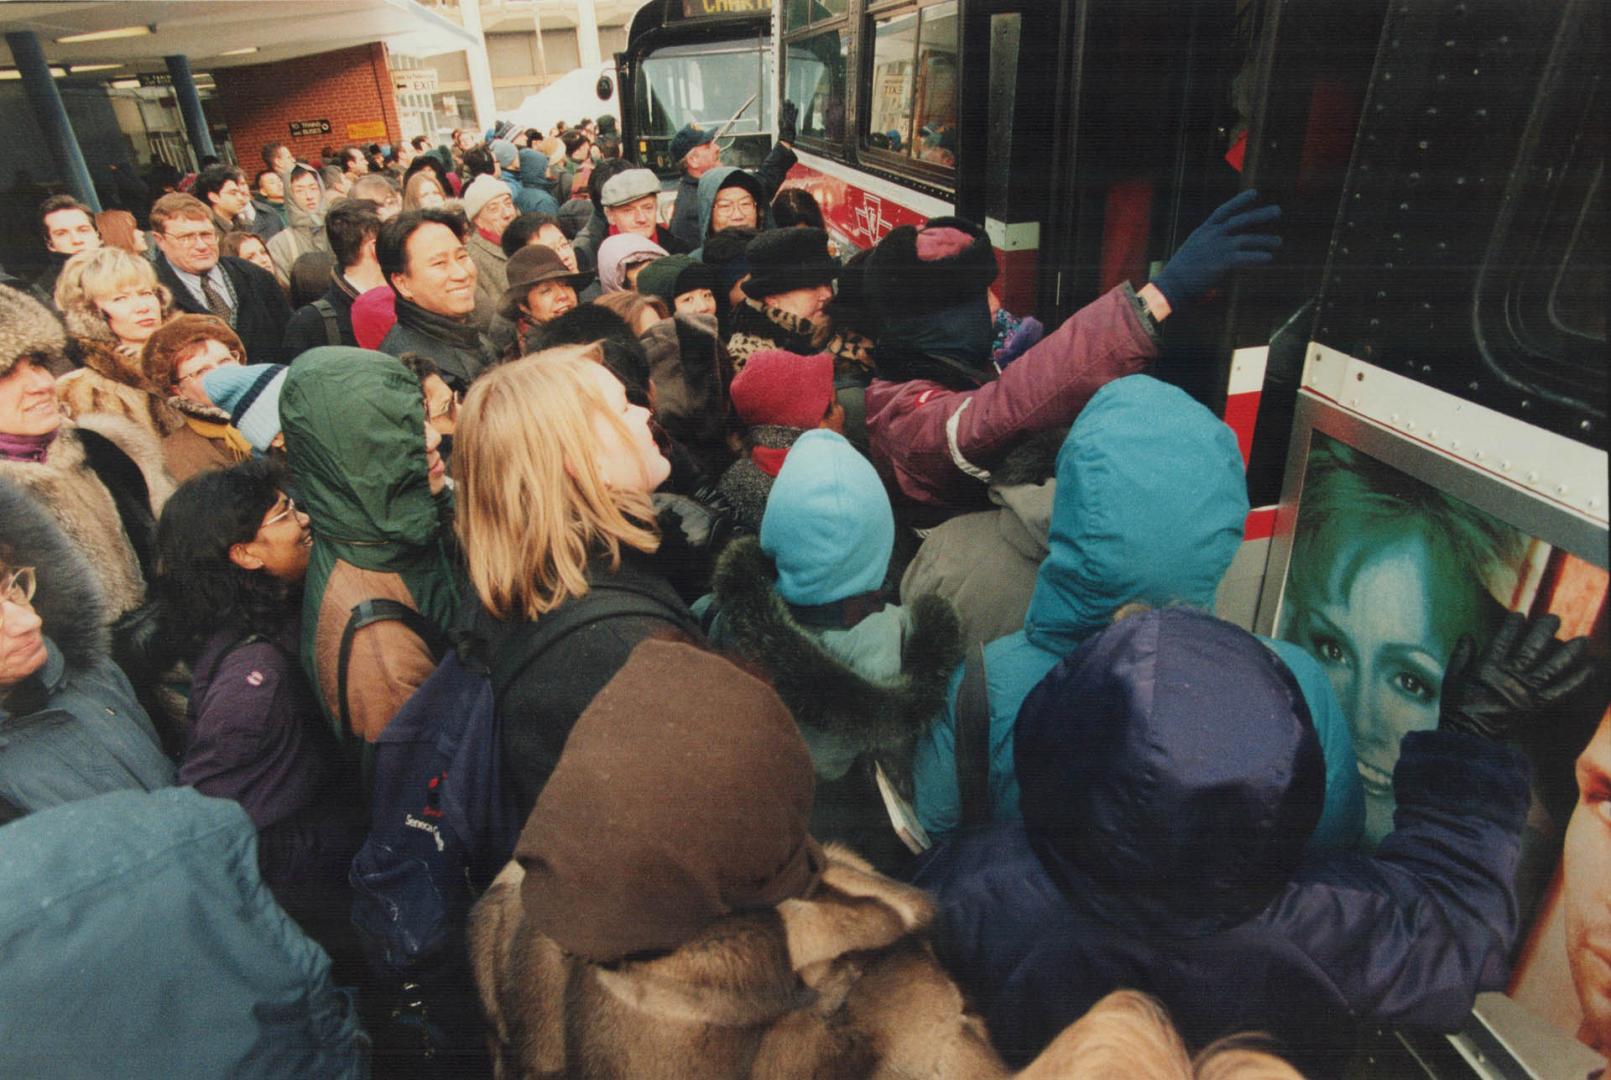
(530, 265)
(683, 795)
(176, 337)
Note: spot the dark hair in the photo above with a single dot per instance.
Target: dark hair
(348, 224)
(210, 159)
(310, 277)
(257, 179)
(523, 228)
(419, 142)
(199, 589)
(533, 136)
(609, 144)
(795, 206)
(573, 140)
(606, 123)
(60, 202)
(421, 365)
(269, 150)
(478, 161)
(624, 354)
(234, 238)
(299, 170)
(391, 246)
(213, 177)
(349, 152)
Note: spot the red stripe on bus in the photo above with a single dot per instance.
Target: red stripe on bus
(1241, 414)
(1260, 524)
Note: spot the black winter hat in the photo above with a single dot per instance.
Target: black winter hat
(782, 260)
(947, 262)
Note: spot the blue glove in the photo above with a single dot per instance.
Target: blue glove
(1234, 236)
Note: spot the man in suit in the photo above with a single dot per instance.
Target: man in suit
(205, 283)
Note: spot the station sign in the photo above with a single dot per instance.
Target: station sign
(367, 129)
(706, 9)
(155, 78)
(414, 81)
(304, 129)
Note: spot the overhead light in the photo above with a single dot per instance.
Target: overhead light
(77, 69)
(125, 84)
(106, 35)
(241, 52)
(13, 73)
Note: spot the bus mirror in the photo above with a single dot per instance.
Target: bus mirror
(604, 88)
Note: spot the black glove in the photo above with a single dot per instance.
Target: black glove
(1237, 234)
(788, 118)
(1521, 676)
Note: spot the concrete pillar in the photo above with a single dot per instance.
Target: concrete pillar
(51, 114)
(587, 33)
(184, 88)
(481, 96)
(542, 54)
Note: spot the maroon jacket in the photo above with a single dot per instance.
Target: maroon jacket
(935, 445)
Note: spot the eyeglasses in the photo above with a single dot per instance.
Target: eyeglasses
(17, 586)
(443, 408)
(733, 206)
(199, 372)
(197, 238)
(285, 512)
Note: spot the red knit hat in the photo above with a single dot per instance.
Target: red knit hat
(374, 314)
(783, 389)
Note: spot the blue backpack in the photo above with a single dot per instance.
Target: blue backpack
(441, 826)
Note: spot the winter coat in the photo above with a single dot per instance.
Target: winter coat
(1407, 936)
(535, 192)
(354, 424)
(303, 232)
(254, 734)
(269, 221)
(839, 983)
(985, 563)
(862, 695)
(103, 482)
(139, 941)
(691, 372)
(933, 445)
(745, 485)
(757, 326)
(491, 276)
(460, 349)
(44, 286)
(684, 223)
(690, 220)
(586, 242)
(261, 309)
(73, 729)
(1107, 547)
(205, 441)
(307, 328)
(114, 383)
(540, 705)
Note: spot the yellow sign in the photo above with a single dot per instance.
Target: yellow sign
(369, 129)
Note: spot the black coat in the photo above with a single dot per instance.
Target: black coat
(307, 328)
(261, 309)
(460, 351)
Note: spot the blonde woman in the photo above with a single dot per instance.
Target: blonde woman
(422, 192)
(555, 523)
(111, 303)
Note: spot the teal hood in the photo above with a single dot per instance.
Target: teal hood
(1151, 499)
(718, 178)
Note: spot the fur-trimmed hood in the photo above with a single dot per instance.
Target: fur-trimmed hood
(823, 692)
(69, 597)
(131, 395)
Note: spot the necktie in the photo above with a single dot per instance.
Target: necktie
(216, 302)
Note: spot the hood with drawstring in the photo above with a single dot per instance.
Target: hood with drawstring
(726, 176)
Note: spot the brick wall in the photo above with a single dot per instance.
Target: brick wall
(349, 86)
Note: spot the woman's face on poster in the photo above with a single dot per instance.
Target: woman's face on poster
(1384, 638)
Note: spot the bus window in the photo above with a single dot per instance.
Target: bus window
(687, 84)
(798, 13)
(914, 89)
(814, 79)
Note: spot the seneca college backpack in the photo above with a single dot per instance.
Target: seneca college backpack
(440, 827)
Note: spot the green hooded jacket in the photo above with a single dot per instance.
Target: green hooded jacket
(354, 423)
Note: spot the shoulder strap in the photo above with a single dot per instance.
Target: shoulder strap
(332, 325)
(972, 737)
(601, 602)
(366, 613)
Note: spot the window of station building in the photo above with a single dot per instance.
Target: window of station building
(912, 110)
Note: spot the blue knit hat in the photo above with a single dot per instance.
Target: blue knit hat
(828, 524)
(504, 152)
(251, 396)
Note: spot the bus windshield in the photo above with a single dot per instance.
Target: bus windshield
(704, 84)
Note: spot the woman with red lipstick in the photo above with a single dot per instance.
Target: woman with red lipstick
(111, 303)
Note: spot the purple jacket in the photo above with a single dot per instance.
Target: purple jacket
(924, 438)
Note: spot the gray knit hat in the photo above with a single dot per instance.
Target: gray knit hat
(27, 328)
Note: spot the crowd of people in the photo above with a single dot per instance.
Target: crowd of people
(813, 662)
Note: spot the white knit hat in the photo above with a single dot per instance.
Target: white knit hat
(482, 190)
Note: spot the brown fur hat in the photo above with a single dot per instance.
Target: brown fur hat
(173, 339)
(27, 328)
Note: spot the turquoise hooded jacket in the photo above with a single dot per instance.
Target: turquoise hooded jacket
(1151, 500)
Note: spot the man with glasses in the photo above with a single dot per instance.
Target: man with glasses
(712, 197)
(205, 283)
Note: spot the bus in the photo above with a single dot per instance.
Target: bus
(696, 62)
(1419, 386)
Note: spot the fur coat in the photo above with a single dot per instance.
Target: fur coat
(112, 381)
(758, 326)
(68, 599)
(840, 983)
(85, 507)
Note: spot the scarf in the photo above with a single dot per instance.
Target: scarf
(769, 459)
(462, 334)
(29, 448)
(221, 431)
